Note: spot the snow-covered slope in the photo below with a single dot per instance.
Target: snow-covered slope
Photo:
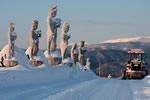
(26, 81)
(21, 57)
(27, 84)
(134, 39)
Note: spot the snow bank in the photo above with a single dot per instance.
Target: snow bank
(33, 76)
(38, 56)
(14, 82)
(19, 55)
(25, 79)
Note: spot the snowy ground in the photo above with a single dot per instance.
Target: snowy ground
(105, 89)
(27, 82)
(38, 83)
(64, 83)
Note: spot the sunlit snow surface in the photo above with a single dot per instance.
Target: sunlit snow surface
(26, 82)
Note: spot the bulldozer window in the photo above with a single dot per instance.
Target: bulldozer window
(131, 56)
(138, 56)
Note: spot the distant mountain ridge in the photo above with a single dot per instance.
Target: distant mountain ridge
(134, 39)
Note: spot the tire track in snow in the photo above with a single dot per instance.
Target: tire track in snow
(40, 91)
(77, 92)
(112, 90)
(105, 89)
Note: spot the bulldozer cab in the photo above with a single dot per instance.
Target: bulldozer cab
(135, 58)
(136, 55)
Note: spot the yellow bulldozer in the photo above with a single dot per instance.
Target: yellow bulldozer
(136, 67)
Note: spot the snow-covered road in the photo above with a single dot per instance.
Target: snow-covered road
(105, 89)
(96, 89)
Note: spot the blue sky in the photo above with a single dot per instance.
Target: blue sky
(90, 20)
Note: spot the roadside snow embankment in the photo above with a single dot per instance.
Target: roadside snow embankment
(26, 81)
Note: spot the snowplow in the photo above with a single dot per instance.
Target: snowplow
(136, 67)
